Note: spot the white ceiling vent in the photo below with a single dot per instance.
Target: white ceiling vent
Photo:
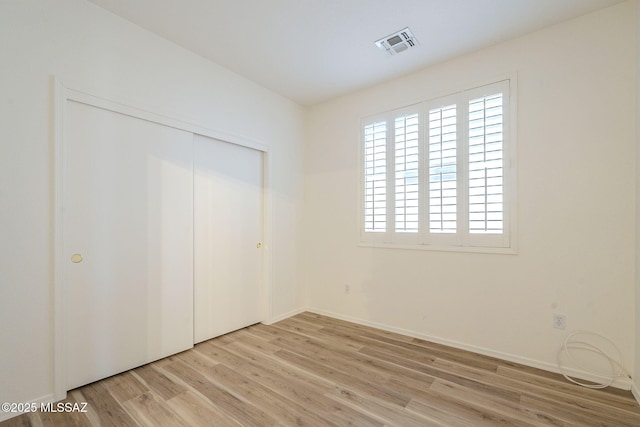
(397, 42)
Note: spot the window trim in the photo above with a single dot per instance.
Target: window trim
(505, 243)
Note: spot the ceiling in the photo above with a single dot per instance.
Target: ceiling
(313, 50)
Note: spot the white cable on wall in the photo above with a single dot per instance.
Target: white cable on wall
(572, 345)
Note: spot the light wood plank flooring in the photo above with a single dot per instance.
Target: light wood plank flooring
(318, 371)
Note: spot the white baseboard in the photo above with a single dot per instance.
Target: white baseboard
(635, 391)
(622, 383)
(284, 316)
(44, 399)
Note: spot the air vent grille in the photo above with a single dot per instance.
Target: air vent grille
(397, 42)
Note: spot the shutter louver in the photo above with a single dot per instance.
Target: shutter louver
(375, 177)
(406, 173)
(486, 190)
(443, 170)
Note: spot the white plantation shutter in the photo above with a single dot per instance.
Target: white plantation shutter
(406, 186)
(375, 177)
(440, 174)
(443, 169)
(486, 190)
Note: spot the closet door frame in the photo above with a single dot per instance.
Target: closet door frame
(61, 96)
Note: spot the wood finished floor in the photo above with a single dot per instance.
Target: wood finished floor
(318, 371)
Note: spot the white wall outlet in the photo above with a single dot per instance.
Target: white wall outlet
(347, 289)
(559, 321)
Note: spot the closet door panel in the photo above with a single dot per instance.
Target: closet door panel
(128, 236)
(228, 191)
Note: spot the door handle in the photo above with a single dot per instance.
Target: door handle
(76, 258)
(259, 245)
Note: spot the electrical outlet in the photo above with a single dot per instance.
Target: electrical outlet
(347, 289)
(559, 321)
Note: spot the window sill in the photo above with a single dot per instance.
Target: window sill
(440, 248)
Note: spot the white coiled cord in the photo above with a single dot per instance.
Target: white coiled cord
(617, 369)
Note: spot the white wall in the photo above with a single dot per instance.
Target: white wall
(576, 103)
(91, 50)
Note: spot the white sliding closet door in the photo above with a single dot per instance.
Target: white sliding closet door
(228, 191)
(128, 242)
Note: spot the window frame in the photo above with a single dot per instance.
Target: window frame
(462, 240)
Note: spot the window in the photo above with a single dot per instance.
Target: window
(440, 174)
